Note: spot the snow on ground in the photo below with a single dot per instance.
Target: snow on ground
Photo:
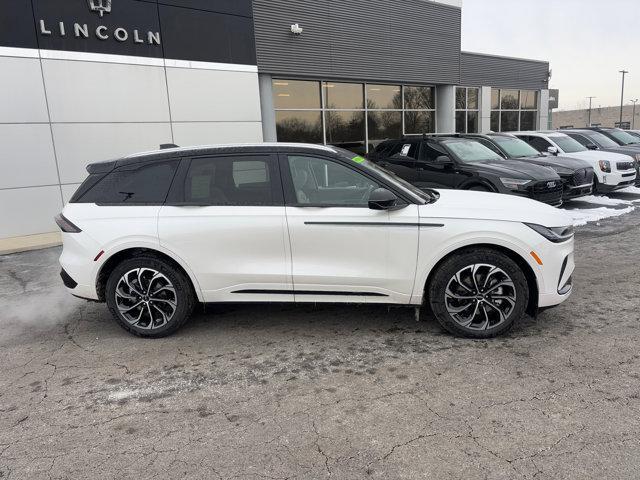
(583, 216)
(601, 207)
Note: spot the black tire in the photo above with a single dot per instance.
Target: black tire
(479, 188)
(181, 293)
(444, 277)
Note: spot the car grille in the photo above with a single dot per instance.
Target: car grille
(625, 165)
(547, 193)
(582, 176)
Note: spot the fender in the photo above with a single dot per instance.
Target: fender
(476, 181)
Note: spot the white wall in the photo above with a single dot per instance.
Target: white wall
(62, 110)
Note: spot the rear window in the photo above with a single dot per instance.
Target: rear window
(147, 184)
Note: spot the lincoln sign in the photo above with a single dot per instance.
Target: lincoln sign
(101, 32)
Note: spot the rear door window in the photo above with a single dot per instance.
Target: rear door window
(146, 184)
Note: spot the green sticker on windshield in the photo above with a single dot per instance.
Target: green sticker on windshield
(358, 159)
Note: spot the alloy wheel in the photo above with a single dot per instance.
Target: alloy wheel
(146, 298)
(480, 296)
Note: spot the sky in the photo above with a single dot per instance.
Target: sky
(585, 41)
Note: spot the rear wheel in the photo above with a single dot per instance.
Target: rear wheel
(149, 297)
(478, 293)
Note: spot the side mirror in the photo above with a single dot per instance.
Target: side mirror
(591, 146)
(444, 160)
(553, 150)
(382, 199)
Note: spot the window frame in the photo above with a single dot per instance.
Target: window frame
(519, 110)
(176, 196)
(468, 110)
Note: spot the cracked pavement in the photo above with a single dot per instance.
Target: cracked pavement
(314, 392)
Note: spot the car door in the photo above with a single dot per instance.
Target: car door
(401, 159)
(225, 219)
(340, 249)
(433, 174)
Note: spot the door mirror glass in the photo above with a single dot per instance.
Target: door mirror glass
(382, 199)
(591, 146)
(444, 160)
(552, 150)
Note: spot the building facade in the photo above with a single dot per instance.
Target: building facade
(89, 80)
(600, 116)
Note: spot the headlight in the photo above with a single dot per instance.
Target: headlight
(605, 166)
(514, 183)
(553, 234)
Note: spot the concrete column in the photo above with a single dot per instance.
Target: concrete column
(543, 110)
(485, 109)
(445, 109)
(268, 113)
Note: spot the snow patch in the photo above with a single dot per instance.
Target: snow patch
(584, 216)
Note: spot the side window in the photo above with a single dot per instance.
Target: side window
(539, 143)
(407, 149)
(146, 184)
(490, 146)
(430, 152)
(229, 181)
(322, 182)
(579, 138)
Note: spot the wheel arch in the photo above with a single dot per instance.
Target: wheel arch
(529, 274)
(132, 252)
(478, 182)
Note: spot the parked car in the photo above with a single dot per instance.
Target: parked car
(635, 133)
(613, 171)
(433, 161)
(595, 140)
(619, 136)
(155, 233)
(576, 175)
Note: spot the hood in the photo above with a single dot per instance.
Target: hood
(493, 206)
(516, 169)
(559, 161)
(595, 155)
(631, 152)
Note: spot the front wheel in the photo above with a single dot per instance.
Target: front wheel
(149, 297)
(480, 188)
(478, 293)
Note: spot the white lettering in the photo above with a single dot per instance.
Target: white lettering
(154, 38)
(43, 28)
(81, 29)
(120, 34)
(101, 32)
(136, 37)
(62, 30)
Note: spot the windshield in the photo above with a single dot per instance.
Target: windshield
(568, 144)
(470, 152)
(602, 140)
(623, 137)
(514, 147)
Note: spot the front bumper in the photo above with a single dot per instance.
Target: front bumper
(573, 191)
(616, 180)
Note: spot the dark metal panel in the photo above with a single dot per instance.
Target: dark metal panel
(411, 41)
(16, 24)
(478, 69)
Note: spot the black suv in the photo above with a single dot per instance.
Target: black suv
(601, 139)
(576, 175)
(432, 161)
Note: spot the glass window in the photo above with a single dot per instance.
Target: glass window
(419, 98)
(508, 121)
(461, 122)
(601, 140)
(302, 126)
(405, 150)
(461, 98)
(495, 121)
(419, 122)
(346, 130)
(528, 99)
(568, 144)
(539, 143)
(345, 96)
(294, 94)
(472, 122)
(495, 99)
(384, 96)
(469, 151)
(509, 99)
(623, 137)
(527, 120)
(472, 98)
(147, 184)
(383, 125)
(229, 181)
(429, 152)
(325, 183)
(514, 147)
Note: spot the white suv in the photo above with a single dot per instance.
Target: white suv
(613, 171)
(154, 233)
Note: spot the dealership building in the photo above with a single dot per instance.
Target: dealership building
(89, 80)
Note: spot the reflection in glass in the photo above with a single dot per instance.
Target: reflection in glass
(509, 121)
(419, 98)
(509, 100)
(472, 122)
(528, 99)
(343, 95)
(461, 122)
(495, 98)
(528, 120)
(461, 98)
(346, 130)
(292, 94)
(472, 98)
(292, 126)
(383, 126)
(384, 96)
(419, 122)
(495, 121)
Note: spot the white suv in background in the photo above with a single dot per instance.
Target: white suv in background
(152, 234)
(613, 171)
